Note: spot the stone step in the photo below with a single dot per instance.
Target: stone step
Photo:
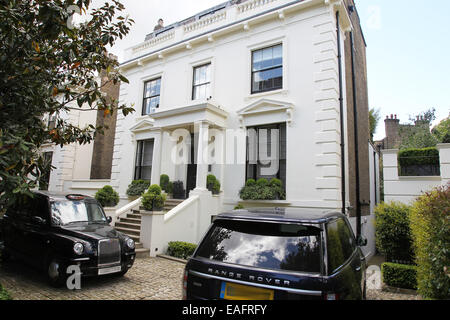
(128, 225)
(134, 216)
(135, 238)
(142, 253)
(130, 220)
(138, 245)
(174, 201)
(128, 231)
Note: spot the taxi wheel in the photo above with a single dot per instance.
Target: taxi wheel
(56, 273)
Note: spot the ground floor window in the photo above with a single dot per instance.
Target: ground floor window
(266, 152)
(144, 160)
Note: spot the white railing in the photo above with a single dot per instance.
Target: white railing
(252, 4)
(181, 207)
(163, 37)
(132, 205)
(206, 21)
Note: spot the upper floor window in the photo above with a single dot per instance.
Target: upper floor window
(201, 88)
(267, 69)
(152, 91)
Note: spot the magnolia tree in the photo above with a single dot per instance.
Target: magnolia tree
(48, 67)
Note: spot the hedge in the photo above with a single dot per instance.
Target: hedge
(393, 232)
(180, 249)
(263, 190)
(137, 187)
(430, 225)
(399, 275)
(4, 295)
(426, 156)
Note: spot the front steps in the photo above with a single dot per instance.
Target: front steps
(131, 226)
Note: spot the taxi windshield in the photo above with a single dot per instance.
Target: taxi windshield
(67, 212)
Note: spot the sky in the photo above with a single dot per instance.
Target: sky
(408, 46)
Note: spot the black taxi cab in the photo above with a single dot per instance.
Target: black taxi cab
(55, 231)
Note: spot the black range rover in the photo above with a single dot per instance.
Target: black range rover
(53, 232)
(277, 254)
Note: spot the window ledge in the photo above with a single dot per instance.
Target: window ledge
(267, 93)
(437, 178)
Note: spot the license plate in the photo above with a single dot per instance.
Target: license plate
(233, 291)
(109, 270)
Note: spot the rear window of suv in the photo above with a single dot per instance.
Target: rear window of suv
(290, 247)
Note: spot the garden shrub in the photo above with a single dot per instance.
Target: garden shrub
(393, 233)
(4, 295)
(213, 184)
(399, 275)
(425, 156)
(153, 200)
(137, 187)
(178, 191)
(107, 197)
(430, 225)
(164, 182)
(239, 207)
(262, 190)
(180, 249)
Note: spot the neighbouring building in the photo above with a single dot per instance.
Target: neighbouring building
(248, 89)
(83, 168)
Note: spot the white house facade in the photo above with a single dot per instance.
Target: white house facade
(207, 90)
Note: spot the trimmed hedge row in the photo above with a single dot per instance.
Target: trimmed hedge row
(180, 249)
(430, 225)
(399, 275)
(393, 233)
(426, 156)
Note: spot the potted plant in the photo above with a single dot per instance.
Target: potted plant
(178, 191)
(107, 197)
(137, 188)
(213, 184)
(153, 199)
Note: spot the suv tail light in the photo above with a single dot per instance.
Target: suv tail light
(185, 279)
(330, 296)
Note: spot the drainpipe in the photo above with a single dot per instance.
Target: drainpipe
(355, 128)
(341, 108)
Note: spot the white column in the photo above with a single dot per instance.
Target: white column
(156, 162)
(444, 159)
(202, 158)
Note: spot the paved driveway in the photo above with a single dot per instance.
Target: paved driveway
(149, 279)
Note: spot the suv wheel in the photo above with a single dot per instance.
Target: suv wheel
(56, 273)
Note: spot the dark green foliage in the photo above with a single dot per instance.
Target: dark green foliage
(393, 233)
(250, 182)
(239, 207)
(425, 156)
(263, 190)
(430, 225)
(153, 200)
(107, 197)
(213, 184)
(442, 131)
(164, 182)
(48, 68)
(399, 275)
(137, 187)
(178, 191)
(4, 295)
(182, 250)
